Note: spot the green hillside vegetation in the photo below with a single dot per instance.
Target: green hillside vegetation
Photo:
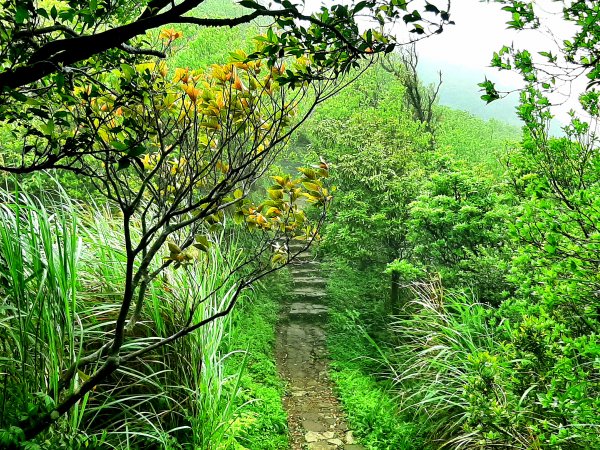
(203, 47)
(475, 140)
(149, 205)
(457, 242)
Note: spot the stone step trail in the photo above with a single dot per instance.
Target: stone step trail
(305, 270)
(315, 417)
(308, 294)
(301, 311)
(315, 280)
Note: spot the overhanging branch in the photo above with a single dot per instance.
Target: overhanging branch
(64, 52)
(142, 51)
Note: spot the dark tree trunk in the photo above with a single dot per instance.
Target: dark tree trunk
(395, 293)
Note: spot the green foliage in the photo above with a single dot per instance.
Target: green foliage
(505, 353)
(201, 47)
(501, 371)
(253, 329)
(391, 185)
(374, 88)
(372, 411)
(457, 228)
(375, 151)
(60, 278)
(476, 141)
(475, 377)
(552, 373)
(358, 294)
(558, 183)
(446, 377)
(397, 199)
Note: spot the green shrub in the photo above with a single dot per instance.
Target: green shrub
(474, 377)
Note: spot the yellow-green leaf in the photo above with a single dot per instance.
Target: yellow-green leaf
(174, 249)
(202, 243)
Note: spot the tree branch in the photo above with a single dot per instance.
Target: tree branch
(63, 52)
(141, 51)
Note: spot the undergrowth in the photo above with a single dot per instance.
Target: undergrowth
(253, 329)
(373, 414)
(61, 270)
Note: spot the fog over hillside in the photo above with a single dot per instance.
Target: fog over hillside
(460, 90)
(464, 51)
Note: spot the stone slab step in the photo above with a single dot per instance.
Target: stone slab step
(304, 256)
(304, 273)
(308, 302)
(308, 290)
(301, 278)
(306, 263)
(309, 281)
(305, 292)
(301, 310)
(297, 245)
(314, 265)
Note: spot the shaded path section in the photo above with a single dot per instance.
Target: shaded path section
(315, 418)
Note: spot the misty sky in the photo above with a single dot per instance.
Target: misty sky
(480, 30)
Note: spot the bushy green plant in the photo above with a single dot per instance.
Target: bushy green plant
(373, 412)
(476, 377)
(457, 227)
(455, 375)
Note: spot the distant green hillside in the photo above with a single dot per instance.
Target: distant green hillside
(201, 47)
(475, 140)
(460, 90)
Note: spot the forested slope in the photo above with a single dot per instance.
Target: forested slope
(155, 187)
(461, 269)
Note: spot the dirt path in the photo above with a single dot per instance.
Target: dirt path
(315, 418)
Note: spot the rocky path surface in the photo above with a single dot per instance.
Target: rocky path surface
(315, 418)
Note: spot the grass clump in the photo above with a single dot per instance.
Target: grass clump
(373, 414)
(254, 330)
(61, 268)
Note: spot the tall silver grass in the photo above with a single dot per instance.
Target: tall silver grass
(60, 278)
